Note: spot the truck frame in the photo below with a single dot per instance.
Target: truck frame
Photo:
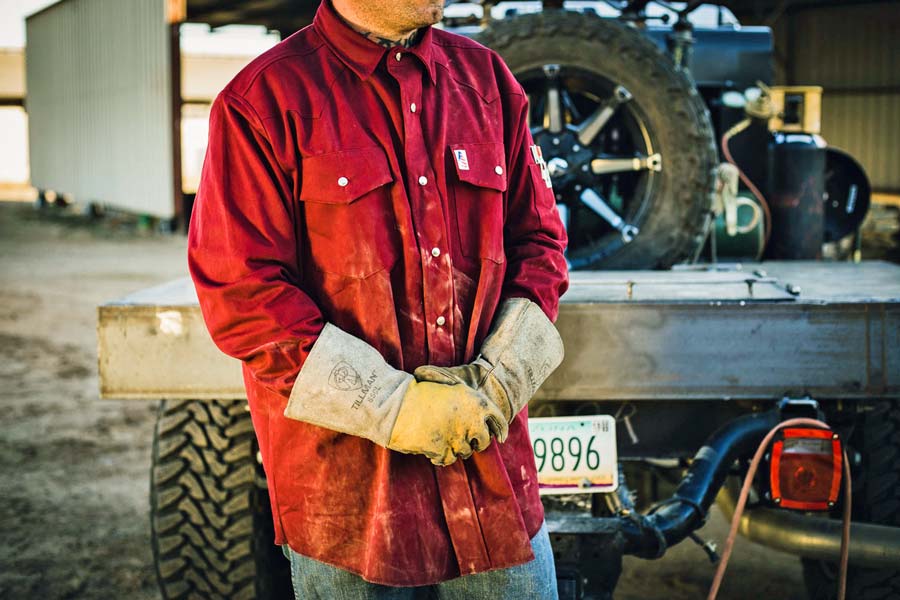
(693, 358)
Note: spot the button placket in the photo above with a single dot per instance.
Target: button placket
(428, 216)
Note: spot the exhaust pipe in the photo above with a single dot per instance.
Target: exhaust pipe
(648, 536)
(874, 546)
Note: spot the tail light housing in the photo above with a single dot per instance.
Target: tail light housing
(805, 468)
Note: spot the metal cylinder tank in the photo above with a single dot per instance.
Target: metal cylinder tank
(795, 188)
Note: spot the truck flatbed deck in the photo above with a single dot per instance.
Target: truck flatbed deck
(751, 331)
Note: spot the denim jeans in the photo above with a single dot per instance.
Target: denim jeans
(535, 580)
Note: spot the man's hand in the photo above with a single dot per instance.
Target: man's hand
(346, 385)
(444, 422)
(477, 375)
(520, 352)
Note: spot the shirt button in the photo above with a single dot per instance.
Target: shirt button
(343, 181)
(498, 170)
(398, 56)
(423, 180)
(435, 252)
(440, 321)
(412, 107)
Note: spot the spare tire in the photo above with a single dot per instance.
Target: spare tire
(618, 122)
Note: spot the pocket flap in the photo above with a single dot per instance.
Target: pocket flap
(483, 165)
(342, 177)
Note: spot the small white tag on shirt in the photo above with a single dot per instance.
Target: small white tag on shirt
(538, 157)
(462, 161)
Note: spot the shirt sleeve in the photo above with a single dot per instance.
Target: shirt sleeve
(534, 236)
(242, 250)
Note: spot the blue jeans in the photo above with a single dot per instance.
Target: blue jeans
(535, 580)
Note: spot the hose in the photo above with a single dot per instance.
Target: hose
(726, 137)
(742, 501)
(674, 519)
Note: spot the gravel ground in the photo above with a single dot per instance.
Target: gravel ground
(74, 469)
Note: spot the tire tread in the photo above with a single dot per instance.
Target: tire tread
(210, 520)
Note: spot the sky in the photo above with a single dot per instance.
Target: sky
(12, 20)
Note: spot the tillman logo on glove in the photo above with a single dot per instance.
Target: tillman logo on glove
(344, 377)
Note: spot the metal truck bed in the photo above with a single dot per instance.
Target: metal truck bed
(752, 331)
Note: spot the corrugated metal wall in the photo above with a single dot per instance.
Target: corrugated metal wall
(854, 53)
(99, 103)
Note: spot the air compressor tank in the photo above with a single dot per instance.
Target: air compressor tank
(795, 189)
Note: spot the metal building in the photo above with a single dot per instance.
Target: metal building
(851, 49)
(105, 94)
(102, 88)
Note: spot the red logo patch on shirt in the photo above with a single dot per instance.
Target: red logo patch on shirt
(538, 157)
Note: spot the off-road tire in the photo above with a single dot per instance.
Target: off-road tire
(876, 499)
(677, 118)
(211, 523)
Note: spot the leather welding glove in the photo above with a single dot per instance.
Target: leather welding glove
(521, 350)
(346, 385)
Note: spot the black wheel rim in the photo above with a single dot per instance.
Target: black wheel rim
(597, 145)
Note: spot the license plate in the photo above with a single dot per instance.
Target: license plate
(575, 454)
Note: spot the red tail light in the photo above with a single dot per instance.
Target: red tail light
(805, 469)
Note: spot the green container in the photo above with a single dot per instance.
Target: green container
(749, 237)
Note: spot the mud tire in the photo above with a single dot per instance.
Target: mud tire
(211, 523)
(876, 499)
(677, 215)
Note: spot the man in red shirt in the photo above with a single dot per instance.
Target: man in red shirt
(375, 237)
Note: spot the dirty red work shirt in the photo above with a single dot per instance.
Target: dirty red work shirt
(393, 193)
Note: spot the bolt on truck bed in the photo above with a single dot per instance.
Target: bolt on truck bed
(750, 332)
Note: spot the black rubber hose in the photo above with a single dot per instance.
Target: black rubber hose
(649, 535)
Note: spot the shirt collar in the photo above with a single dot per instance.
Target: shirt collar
(360, 54)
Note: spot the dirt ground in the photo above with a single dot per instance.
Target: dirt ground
(74, 470)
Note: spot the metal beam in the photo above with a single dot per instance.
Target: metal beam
(273, 14)
(839, 340)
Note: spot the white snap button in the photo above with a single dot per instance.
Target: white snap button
(343, 181)
(435, 252)
(498, 170)
(412, 107)
(423, 180)
(440, 321)
(398, 56)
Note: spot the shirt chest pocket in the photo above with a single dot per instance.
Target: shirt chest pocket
(349, 220)
(477, 191)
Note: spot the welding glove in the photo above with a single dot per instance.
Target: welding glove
(346, 385)
(521, 350)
